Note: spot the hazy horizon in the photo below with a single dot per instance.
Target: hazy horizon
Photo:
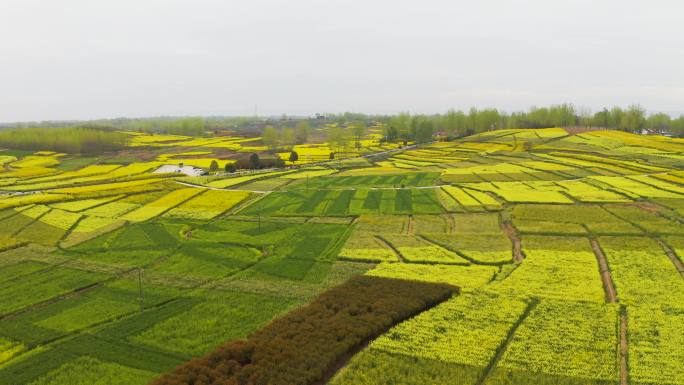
(80, 60)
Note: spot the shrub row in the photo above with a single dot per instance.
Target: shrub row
(302, 346)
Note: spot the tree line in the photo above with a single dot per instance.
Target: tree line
(453, 123)
(73, 140)
(340, 131)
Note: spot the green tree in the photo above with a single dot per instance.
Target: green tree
(337, 137)
(423, 130)
(230, 167)
(288, 137)
(391, 133)
(677, 127)
(659, 121)
(601, 118)
(454, 123)
(616, 114)
(213, 166)
(358, 131)
(303, 130)
(294, 156)
(633, 119)
(254, 160)
(271, 138)
(400, 124)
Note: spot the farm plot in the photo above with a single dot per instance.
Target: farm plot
(476, 237)
(650, 222)
(393, 224)
(208, 205)
(634, 188)
(208, 260)
(588, 193)
(367, 247)
(43, 285)
(23, 200)
(15, 269)
(50, 227)
(457, 339)
(266, 184)
(659, 183)
(300, 252)
(642, 272)
(16, 221)
(88, 371)
(467, 278)
(221, 316)
(135, 245)
(519, 192)
(569, 220)
(562, 342)
(9, 349)
(89, 228)
(116, 188)
(84, 204)
(561, 268)
(478, 248)
(365, 181)
(99, 305)
(494, 172)
(417, 250)
(463, 199)
(655, 341)
(346, 202)
(235, 181)
(161, 205)
(8, 243)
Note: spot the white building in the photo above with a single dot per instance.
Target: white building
(174, 168)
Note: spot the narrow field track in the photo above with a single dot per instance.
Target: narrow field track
(608, 285)
(673, 257)
(624, 348)
(512, 234)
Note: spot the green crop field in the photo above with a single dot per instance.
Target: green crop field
(517, 256)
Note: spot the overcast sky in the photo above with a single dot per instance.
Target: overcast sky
(84, 59)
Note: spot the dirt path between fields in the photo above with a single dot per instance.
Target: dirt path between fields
(512, 234)
(409, 225)
(624, 348)
(450, 224)
(608, 285)
(611, 297)
(673, 257)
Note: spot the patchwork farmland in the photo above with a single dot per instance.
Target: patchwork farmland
(519, 256)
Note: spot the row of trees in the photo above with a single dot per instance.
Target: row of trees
(286, 137)
(459, 123)
(73, 140)
(184, 126)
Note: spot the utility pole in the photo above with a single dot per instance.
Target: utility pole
(140, 290)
